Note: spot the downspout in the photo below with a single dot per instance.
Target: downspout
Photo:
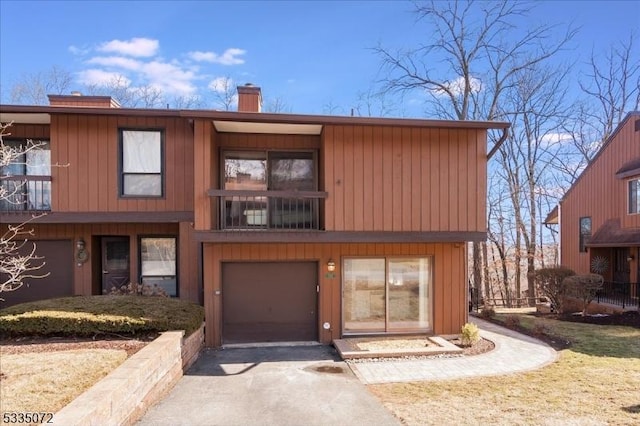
(498, 144)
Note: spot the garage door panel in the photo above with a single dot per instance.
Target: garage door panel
(58, 263)
(268, 302)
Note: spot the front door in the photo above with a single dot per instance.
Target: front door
(621, 266)
(115, 263)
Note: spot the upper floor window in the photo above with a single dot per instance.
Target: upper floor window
(269, 189)
(585, 233)
(634, 196)
(25, 175)
(142, 163)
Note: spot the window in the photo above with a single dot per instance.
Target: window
(141, 163)
(634, 196)
(585, 233)
(158, 263)
(26, 180)
(256, 172)
(387, 294)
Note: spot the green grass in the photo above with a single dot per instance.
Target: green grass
(91, 315)
(595, 381)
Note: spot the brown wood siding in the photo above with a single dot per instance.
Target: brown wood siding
(600, 195)
(87, 147)
(85, 277)
(204, 142)
(28, 131)
(449, 279)
(404, 179)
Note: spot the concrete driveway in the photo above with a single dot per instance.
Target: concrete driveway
(298, 385)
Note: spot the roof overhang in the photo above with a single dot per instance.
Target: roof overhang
(552, 217)
(267, 128)
(610, 234)
(632, 168)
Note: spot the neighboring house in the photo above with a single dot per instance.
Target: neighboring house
(599, 216)
(286, 227)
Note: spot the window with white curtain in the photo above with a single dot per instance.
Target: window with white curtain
(141, 163)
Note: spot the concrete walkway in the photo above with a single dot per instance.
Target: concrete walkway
(514, 352)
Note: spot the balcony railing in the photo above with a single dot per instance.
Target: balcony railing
(620, 294)
(25, 193)
(275, 210)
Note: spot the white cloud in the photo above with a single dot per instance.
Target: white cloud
(116, 62)
(138, 47)
(78, 50)
(554, 138)
(229, 57)
(221, 84)
(100, 77)
(169, 78)
(457, 86)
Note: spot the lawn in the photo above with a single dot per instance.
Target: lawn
(595, 381)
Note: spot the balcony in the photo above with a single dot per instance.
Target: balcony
(269, 210)
(23, 193)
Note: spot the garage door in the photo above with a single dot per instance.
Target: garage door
(58, 259)
(269, 302)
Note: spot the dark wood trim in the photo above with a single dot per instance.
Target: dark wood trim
(27, 178)
(267, 193)
(270, 236)
(258, 118)
(98, 217)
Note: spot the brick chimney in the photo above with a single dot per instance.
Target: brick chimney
(249, 98)
(76, 99)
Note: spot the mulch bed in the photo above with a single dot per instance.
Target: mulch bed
(627, 319)
(19, 345)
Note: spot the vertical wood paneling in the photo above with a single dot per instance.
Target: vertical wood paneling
(201, 173)
(88, 147)
(449, 285)
(600, 195)
(368, 180)
(339, 176)
(348, 180)
(358, 185)
(416, 178)
(378, 179)
(328, 154)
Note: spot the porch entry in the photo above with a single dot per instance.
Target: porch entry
(115, 262)
(386, 295)
(269, 302)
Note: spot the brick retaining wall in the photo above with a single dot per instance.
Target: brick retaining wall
(125, 394)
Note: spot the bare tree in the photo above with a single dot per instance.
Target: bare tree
(33, 88)
(18, 259)
(484, 57)
(224, 93)
(276, 105)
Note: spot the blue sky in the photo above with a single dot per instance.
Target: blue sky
(308, 54)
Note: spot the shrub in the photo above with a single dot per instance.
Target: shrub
(512, 321)
(550, 283)
(135, 289)
(584, 287)
(488, 312)
(539, 329)
(91, 315)
(470, 334)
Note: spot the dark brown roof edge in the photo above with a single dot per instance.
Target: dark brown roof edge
(629, 169)
(257, 117)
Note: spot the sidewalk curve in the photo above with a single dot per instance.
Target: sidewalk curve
(514, 352)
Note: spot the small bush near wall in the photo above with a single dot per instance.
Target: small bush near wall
(488, 312)
(551, 284)
(469, 334)
(512, 321)
(95, 315)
